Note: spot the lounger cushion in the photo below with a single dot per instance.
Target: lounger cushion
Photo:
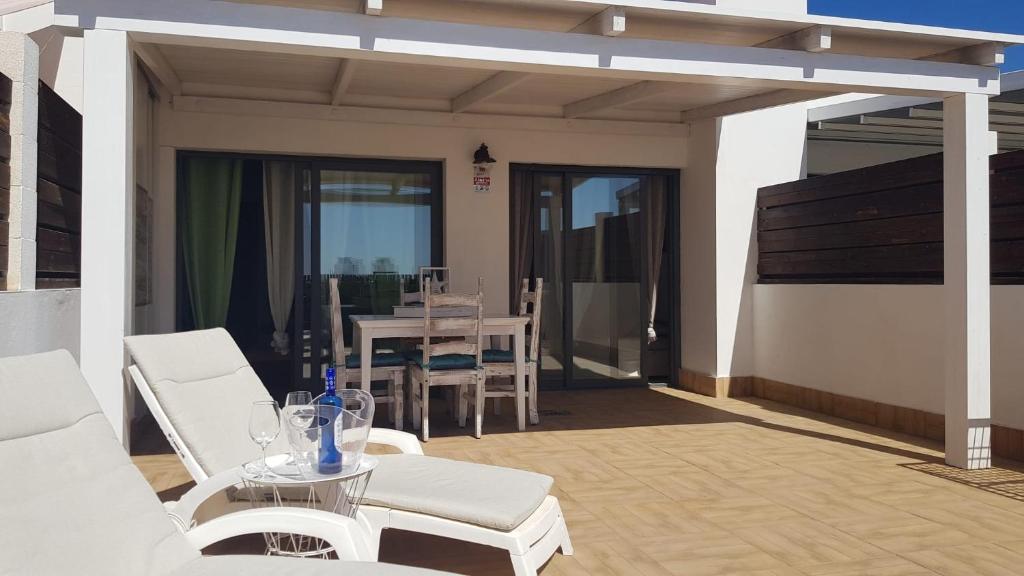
(380, 360)
(446, 361)
(71, 502)
(196, 374)
(488, 496)
(270, 566)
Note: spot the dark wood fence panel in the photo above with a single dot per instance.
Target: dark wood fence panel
(59, 188)
(5, 175)
(880, 225)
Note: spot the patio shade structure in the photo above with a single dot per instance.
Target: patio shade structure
(657, 61)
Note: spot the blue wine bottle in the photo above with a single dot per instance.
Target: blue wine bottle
(328, 457)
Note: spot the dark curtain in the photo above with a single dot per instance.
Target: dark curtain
(522, 233)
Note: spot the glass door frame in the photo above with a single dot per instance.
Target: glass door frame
(313, 236)
(533, 173)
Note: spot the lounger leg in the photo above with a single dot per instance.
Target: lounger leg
(479, 407)
(522, 566)
(399, 400)
(566, 545)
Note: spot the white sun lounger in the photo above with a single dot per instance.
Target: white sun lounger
(199, 388)
(71, 502)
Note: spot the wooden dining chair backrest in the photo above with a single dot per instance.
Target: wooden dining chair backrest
(440, 278)
(530, 305)
(337, 334)
(453, 323)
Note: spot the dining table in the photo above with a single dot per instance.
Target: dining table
(370, 327)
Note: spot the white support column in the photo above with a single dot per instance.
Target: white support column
(108, 187)
(967, 282)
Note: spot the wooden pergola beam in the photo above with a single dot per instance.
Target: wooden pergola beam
(609, 22)
(373, 7)
(616, 98)
(812, 39)
(159, 66)
(987, 54)
(346, 70)
(489, 88)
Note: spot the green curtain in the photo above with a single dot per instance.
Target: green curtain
(213, 197)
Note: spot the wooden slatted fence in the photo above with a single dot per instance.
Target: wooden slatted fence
(59, 188)
(880, 225)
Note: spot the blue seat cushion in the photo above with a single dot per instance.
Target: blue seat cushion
(445, 362)
(379, 360)
(499, 356)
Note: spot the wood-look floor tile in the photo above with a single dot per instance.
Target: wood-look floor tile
(664, 482)
(971, 560)
(885, 566)
(807, 542)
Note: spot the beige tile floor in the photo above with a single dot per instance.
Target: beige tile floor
(662, 482)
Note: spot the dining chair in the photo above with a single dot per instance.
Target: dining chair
(440, 282)
(499, 363)
(451, 354)
(389, 366)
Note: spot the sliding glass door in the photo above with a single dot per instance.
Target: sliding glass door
(371, 225)
(600, 241)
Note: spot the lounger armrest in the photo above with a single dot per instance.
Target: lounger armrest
(184, 510)
(407, 443)
(343, 533)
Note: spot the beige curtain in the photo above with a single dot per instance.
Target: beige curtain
(653, 210)
(279, 235)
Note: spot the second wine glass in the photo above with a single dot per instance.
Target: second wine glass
(264, 427)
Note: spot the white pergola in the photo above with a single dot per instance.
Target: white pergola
(644, 60)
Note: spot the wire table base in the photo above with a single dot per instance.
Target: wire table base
(338, 493)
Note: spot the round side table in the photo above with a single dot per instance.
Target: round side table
(285, 485)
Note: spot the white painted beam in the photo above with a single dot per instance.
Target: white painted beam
(405, 116)
(489, 88)
(812, 39)
(342, 35)
(930, 114)
(108, 182)
(373, 7)
(869, 129)
(987, 54)
(159, 66)
(966, 147)
(346, 71)
(616, 98)
(749, 103)
(608, 22)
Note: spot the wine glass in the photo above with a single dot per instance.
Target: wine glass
(297, 417)
(264, 427)
(298, 398)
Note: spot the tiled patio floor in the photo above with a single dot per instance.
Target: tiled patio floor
(663, 482)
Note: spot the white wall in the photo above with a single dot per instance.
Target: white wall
(476, 224)
(39, 321)
(731, 158)
(881, 343)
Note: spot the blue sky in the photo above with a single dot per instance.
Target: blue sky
(990, 15)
